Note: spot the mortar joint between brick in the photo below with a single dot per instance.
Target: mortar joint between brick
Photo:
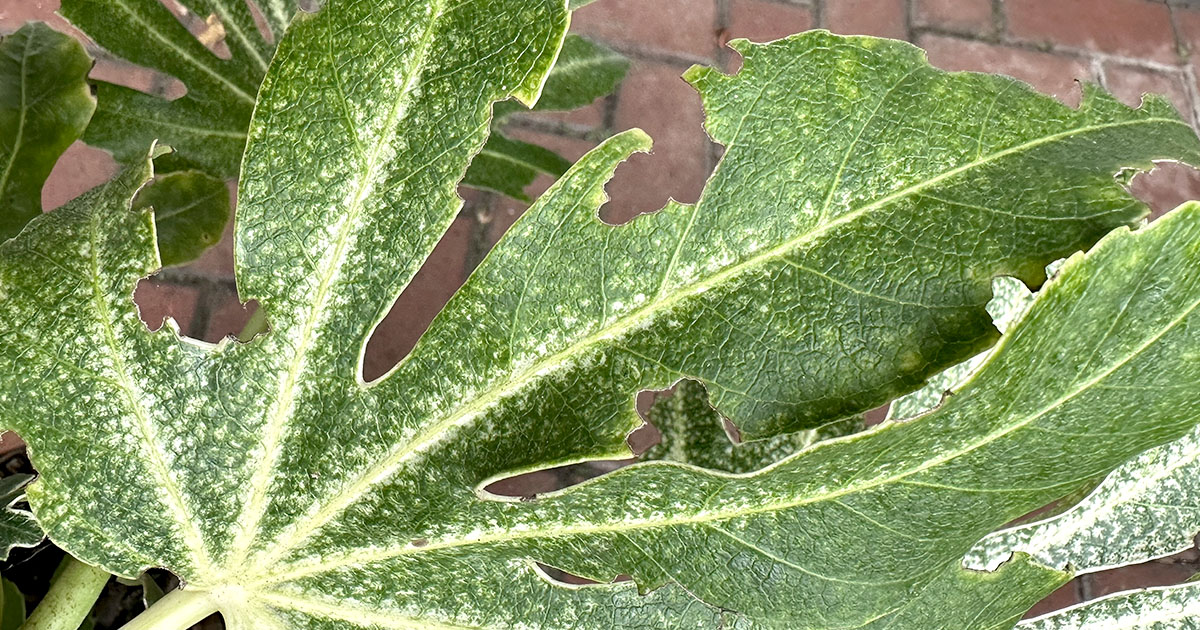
(722, 21)
(1193, 94)
(909, 21)
(642, 53)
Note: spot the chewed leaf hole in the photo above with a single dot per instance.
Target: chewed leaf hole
(564, 578)
(209, 31)
(528, 486)
(260, 21)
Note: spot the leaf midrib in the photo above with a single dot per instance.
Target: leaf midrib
(180, 511)
(16, 147)
(257, 505)
(620, 326)
(502, 536)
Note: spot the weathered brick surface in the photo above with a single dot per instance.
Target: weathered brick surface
(656, 99)
(764, 21)
(14, 13)
(80, 169)
(1139, 576)
(973, 17)
(883, 18)
(1167, 186)
(684, 27)
(227, 316)
(1053, 74)
(158, 300)
(1133, 28)
(1129, 83)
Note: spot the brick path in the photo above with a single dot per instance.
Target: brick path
(1128, 46)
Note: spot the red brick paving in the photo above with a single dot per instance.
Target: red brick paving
(882, 18)
(1130, 46)
(973, 17)
(1131, 28)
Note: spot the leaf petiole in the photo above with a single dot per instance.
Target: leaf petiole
(72, 594)
(177, 610)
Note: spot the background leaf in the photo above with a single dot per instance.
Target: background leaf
(584, 72)
(45, 103)
(190, 213)
(12, 606)
(1170, 608)
(695, 433)
(1145, 509)
(207, 126)
(17, 526)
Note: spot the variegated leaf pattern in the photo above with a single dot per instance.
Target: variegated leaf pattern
(842, 253)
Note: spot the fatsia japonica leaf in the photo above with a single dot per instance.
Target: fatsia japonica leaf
(695, 433)
(1169, 608)
(45, 103)
(206, 126)
(842, 252)
(584, 72)
(17, 526)
(190, 213)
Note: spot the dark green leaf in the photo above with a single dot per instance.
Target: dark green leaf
(45, 103)
(190, 213)
(207, 126)
(12, 606)
(17, 526)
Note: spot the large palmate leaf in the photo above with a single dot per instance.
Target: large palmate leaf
(45, 104)
(842, 252)
(207, 126)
